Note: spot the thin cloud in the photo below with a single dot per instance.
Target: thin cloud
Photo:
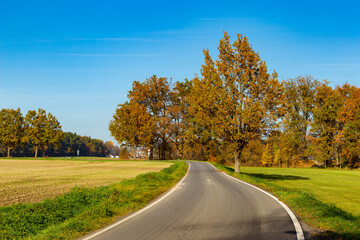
(97, 55)
(336, 64)
(78, 70)
(112, 39)
(322, 64)
(105, 39)
(229, 19)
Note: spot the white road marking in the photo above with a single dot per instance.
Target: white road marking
(138, 212)
(298, 229)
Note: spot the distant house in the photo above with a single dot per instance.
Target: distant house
(141, 153)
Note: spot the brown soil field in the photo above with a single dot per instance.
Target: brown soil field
(30, 181)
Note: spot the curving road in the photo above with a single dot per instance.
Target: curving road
(208, 205)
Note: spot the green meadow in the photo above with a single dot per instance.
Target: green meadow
(338, 187)
(326, 199)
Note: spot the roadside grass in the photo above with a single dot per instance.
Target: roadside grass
(31, 181)
(83, 210)
(318, 196)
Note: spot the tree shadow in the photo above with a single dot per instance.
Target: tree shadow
(271, 176)
(335, 236)
(275, 176)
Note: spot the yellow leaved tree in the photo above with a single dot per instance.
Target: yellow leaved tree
(133, 125)
(236, 98)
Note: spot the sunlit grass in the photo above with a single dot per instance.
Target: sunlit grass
(339, 187)
(29, 181)
(324, 198)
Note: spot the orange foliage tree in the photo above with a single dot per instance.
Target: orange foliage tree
(350, 117)
(133, 125)
(236, 99)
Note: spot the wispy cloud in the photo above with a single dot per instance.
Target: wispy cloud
(113, 39)
(104, 39)
(78, 70)
(322, 64)
(347, 58)
(97, 54)
(229, 19)
(334, 64)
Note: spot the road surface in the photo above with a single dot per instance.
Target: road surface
(208, 205)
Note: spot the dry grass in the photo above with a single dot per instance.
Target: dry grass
(29, 181)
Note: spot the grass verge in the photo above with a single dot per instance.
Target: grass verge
(333, 221)
(83, 210)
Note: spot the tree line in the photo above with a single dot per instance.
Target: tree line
(237, 111)
(39, 133)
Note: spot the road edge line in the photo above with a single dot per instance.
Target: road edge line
(296, 223)
(139, 211)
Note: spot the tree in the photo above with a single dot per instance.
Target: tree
(299, 104)
(325, 125)
(266, 158)
(276, 160)
(11, 128)
(112, 149)
(236, 98)
(350, 116)
(132, 124)
(178, 111)
(71, 143)
(42, 129)
(155, 95)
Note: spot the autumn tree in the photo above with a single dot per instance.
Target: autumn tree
(299, 104)
(132, 124)
(236, 98)
(154, 94)
(178, 112)
(276, 160)
(112, 149)
(267, 159)
(350, 117)
(11, 128)
(42, 129)
(325, 124)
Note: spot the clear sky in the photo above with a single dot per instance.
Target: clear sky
(78, 59)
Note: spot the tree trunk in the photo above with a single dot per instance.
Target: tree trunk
(134, 152)
(151, 156)
(8, 152)
(340, 160)
(159, 151)
(36, 151)
(237, 162)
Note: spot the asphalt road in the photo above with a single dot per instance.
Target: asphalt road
(209, 205)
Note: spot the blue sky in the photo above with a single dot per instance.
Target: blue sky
(78, 59)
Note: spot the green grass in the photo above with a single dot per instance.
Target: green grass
(83, 210)
(338, 187)
(325, 199)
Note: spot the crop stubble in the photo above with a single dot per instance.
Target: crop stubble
(30, 181)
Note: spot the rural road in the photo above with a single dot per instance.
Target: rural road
(208, 205)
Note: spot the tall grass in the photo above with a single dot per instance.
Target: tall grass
(334, 222)
(85, 209)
